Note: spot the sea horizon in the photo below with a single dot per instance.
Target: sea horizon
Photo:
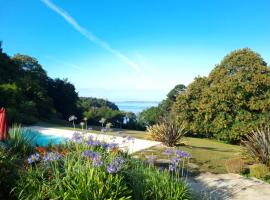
(135, 106)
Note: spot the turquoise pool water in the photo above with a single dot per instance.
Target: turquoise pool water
(42, 139)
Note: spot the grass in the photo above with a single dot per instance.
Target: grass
(207, 155)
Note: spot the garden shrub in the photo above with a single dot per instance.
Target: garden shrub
(168, 132)
(235, 165)
(259, 171)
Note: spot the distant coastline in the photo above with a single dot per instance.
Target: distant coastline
(135, 106)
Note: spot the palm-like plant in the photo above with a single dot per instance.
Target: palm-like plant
(168, 132)
(257, 144)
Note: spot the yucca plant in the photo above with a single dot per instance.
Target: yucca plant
(169, 132)
(257, 144)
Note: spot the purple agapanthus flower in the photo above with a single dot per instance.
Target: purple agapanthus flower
(96, 143)
(104, 145)
(151, 159)
(52, 156)
(90, 140)
(72, 118)
(168, 152)
(97, 161)
(175, 160)
(89, 153)
(115, 165)
(77, 137)
(172, 167)
(33, 158)
(95, 157)
(129, 138)
(113, 145)
(182, 154)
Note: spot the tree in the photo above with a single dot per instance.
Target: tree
(231, 101)
(64, 97)
(149, 117)
(34, 83)
(87, 103)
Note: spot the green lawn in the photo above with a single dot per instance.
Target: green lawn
(207, 155)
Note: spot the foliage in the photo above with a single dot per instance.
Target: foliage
(155, 114)
(12, 155)
(231, 101)
(259, 171)
(29, 94)
(234, 165)
(87, 103)
(149, 117)
(9, 165)
(168, 132)
(257, 145)
(85, 168)
(148, 182)
(64, 97)
(21, 140)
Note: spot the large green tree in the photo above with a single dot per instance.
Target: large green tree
(34, 83)
(231, 101)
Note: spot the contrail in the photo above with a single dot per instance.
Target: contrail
(91, 37)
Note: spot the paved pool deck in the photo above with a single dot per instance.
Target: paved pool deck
(131, 146)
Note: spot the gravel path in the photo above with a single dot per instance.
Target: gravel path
(210, 186)
(129, 146)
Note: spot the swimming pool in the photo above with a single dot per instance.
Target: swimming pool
(43, 140)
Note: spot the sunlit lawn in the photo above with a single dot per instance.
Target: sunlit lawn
(207, 155)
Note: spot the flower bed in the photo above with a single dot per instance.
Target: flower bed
(85, 168)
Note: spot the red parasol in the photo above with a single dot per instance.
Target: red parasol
(3, 125)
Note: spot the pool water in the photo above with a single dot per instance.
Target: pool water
(42, 140)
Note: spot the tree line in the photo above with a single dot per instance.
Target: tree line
(30, 96)
(231, 101)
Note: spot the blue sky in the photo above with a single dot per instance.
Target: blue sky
(132, 50)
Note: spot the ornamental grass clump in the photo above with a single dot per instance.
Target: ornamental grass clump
(257, 145)
(169, 132)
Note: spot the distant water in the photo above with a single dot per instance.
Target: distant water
(135, 106)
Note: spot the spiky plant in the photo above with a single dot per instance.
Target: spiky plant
(168, 132)
(257, 144)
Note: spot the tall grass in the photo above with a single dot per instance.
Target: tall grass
(149, 182)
